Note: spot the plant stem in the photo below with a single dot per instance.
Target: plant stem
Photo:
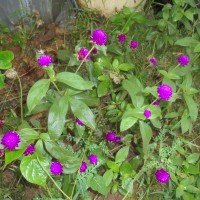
(56, 87)
(21, 96)
(52, 179)
(84, 59)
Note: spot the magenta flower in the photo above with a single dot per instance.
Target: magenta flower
(117, 139)
(183, 60)
(29, 150)
(83, 167)
(10, 140)
(153, 61)
(99, 37)
(147, 113)
(79, 122)
(83, 53)
(93, 159)
(44, 60)
(121, 38)
(133, 44)
(164, 92)
(1, 123)
(156, 103)
(162, 176)
(56, 168)
(110, 137)
(95, 51)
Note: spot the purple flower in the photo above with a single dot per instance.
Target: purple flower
(44, 60)
(83, 53)
(56, 168)
(133, 44)
(153, 61)
(117, 139)
(79, 122)
(99, 37)
(183, 60)
(1, 123)
(110, 137)
(162, 176)
(95, 51)
(164, 92)
(121, 38)
(156, 103)
(29, 150)
(83, 167)
(147, 113)
(10, 140)
(93, 159)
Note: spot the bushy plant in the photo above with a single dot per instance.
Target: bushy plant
(117, 123)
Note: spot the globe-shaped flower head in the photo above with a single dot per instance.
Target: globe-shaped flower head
(110, 137)
(56, 168)
(147, 113)
(44, 60)
(117, 139)
(121, 38)
(95, 51)
(162, 176)
(29, 150)
(10, 140)
(93, 159)
(183, 60)
(156, 103)
(133, 44)
(164, 92)
(99, 37)
(83, 53)
(83, 167)
(153, 61)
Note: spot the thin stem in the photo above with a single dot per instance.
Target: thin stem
(84, 59)
(21, 96)
(56, 87)
(52, 179)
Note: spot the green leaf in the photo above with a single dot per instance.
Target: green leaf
(115, 49)
(84, 114)
(98, 184)
(32, 170)
(28, 134)
(193, 158)
(187, 42)
(73, 80)
(192, 107)
(146, 134)
(179, 191)
(122, 154)
(127, 122)
(169, 75)
(134, 88)
(189, 14)
(13, 155)
(191, 169)
(103, 62)
(2, 78)
(113, 166)
(103, 88)
(36, 93)
(56, 118)
(5, 59)
(156, 123)
(188, 196)
(197, 48)
(64, 55)
(108, 176)
(126, 67)
(185, 122)
(126, 170)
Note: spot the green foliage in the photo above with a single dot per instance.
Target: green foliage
(110, 95)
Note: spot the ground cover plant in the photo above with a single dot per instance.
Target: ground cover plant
(120, 110)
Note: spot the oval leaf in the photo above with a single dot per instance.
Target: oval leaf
(74, 80)
(36, 93)
(127, 123)
(32, 170)
(122, 154)
(82, 111)
(56, 118)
